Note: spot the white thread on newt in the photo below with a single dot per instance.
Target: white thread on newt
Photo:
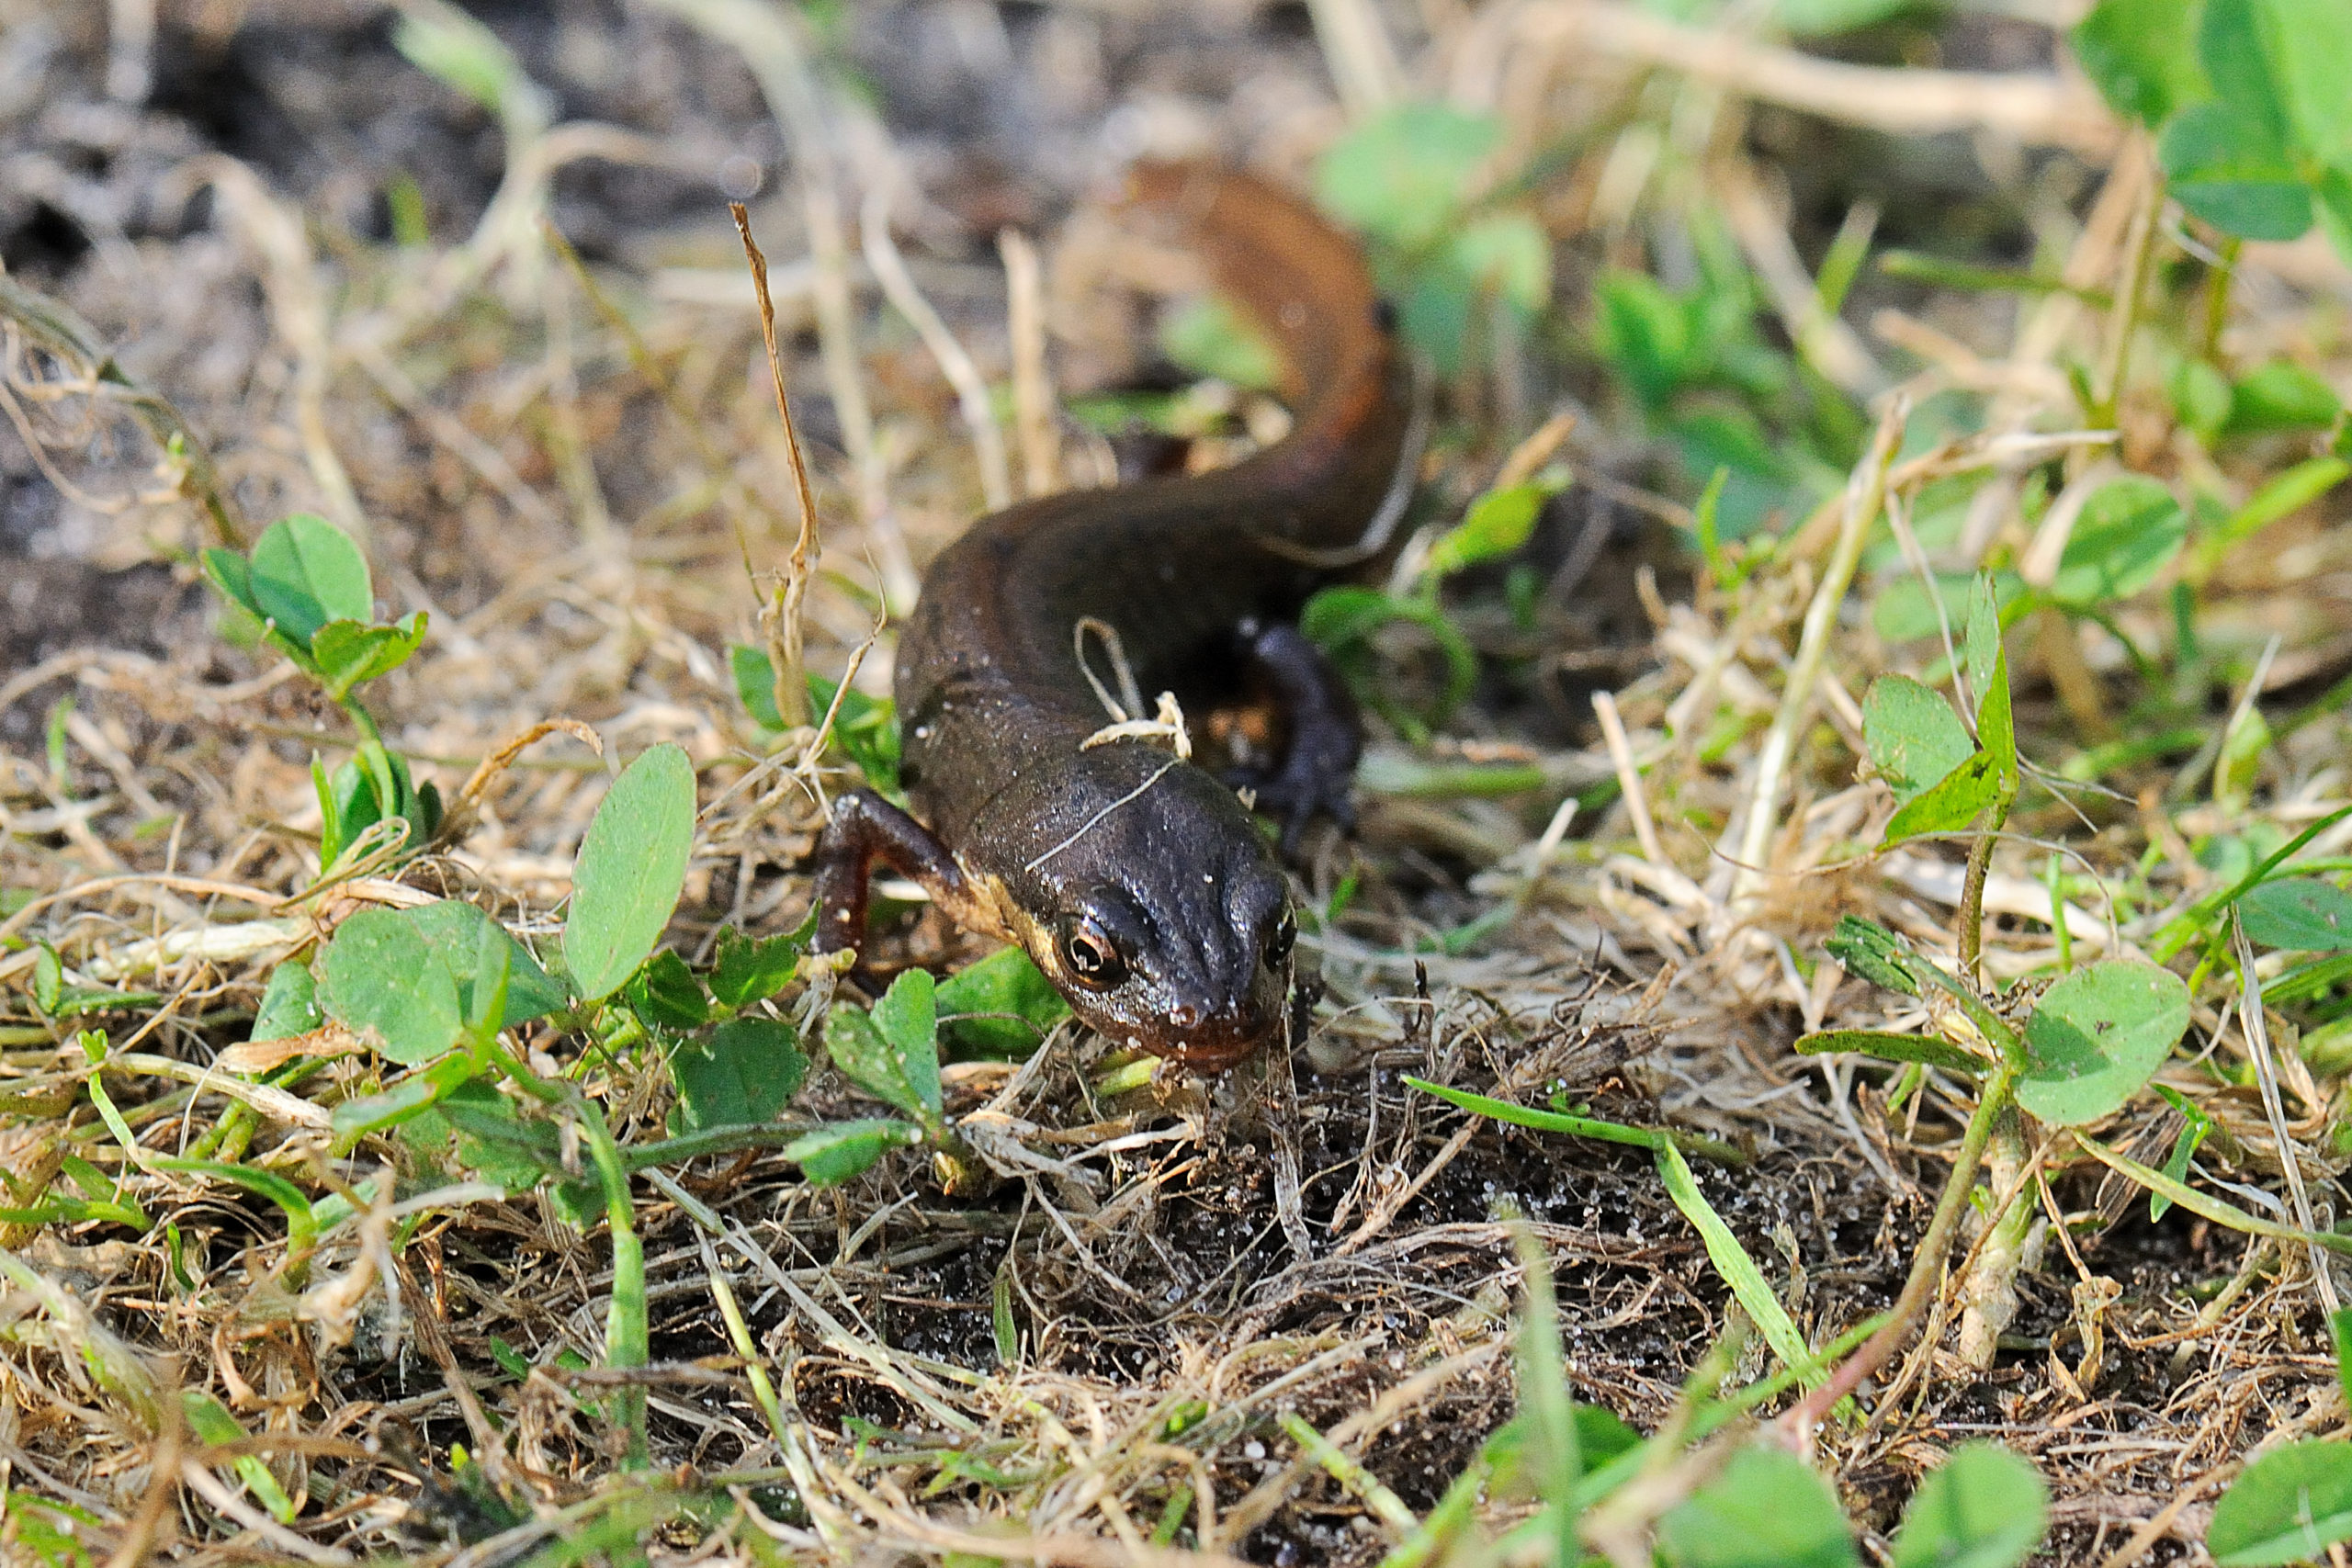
(1088, 825)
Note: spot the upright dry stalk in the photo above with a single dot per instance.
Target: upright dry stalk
(1032, 388)
(971, 391)
(780, 611)
(1865, 496)
(2257, 1030)
(1361, 60)
(2123, 319)
(767, 37)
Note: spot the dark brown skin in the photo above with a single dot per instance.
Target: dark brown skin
(1139, 883)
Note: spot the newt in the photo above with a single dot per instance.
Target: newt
(1138, 881)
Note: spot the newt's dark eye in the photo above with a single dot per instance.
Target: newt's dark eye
(1092, 959)
(1278, 946)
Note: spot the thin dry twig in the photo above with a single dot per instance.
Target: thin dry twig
(780, 611)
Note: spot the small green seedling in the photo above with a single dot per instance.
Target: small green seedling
(2248, 99)
(1342, 620)
(305, 592)
(865, 727)
(1407, 178)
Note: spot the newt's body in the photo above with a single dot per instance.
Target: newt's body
(1140, 883)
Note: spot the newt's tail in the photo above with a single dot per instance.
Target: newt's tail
(1358, 414)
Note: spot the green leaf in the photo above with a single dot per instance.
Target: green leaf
(306, 572)
(2194, 1126)
(2298, 913)
(2223, 166)
(1210, 337)
(301, 1221)
(405, 1101)
(1768, 1509)
(908, 1016)
(49, 980)
(743, 1076)
(1889, 1046)
(1951, 803)
(484, 986)
(460, 53)
(455, 928)
(210, 1421)
(2237, 57)
(384, 982)
(2200, 397)
(747, 970)
(1870, 951)
(2280, 395)
(1985, 1508)
(1342, 619)
(1732, 1264)
(231, 577)
(1506, 256)
(496, 1142)
(1496, 523)
(2097, 1036)
(1982, 641)
(832, 1154)
(2282, 497)
(2128, 532)
(1988, 676)
(2335, 193)
(2143, 55)
(1337, 617)
(1003, 1006)
(2287, 63)
(1402, 175)
(349, 652)
(1645, 333)
(332, 837)
(289, 1004)
(1915, 740)
(1602, 1436)
(631, 870)
(867, 1060)
(664, 991)
(755, 685)
(2290, 1506)
(2339, 1324)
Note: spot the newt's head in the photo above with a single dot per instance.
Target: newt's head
(1153, 904)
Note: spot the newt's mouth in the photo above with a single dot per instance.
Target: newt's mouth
(1213, 1051)
(1207, 1046)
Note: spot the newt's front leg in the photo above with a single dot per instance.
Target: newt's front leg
(866, 828)
(1326, 733)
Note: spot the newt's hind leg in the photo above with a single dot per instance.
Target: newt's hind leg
(866, 830)
(1326, 733)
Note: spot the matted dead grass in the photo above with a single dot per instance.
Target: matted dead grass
(571, 472)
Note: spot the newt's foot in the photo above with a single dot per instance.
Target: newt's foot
(1326, 736)
(1296, 795)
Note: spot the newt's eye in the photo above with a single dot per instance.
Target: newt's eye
(1278, 946)
(1087, 953)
